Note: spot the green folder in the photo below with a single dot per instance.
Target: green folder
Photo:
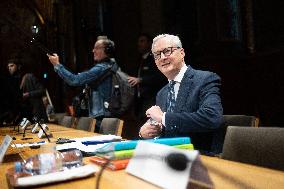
(124, 154)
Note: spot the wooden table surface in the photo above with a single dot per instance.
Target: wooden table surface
(224, 174)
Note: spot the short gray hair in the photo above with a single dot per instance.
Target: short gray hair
(173, 38)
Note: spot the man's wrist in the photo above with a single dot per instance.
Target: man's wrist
(140, 135)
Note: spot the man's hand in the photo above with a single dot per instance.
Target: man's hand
(54, 59)
(133, 81)
(26, 95)
(155, 113)
(150, 131)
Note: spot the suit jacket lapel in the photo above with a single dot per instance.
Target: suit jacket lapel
(164, 96)
(184, 87)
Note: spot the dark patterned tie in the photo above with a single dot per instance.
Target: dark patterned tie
(171, 97)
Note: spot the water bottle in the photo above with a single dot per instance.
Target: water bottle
(50, 162)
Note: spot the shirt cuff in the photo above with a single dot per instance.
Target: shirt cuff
(57, 66)
(164, 119)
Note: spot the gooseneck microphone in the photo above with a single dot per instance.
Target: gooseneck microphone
(24, 134)
(35, 119)
(176, 161)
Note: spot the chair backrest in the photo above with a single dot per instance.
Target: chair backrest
(236, 120)
(262, 146)
(86, 124)
(66, 121)
(57, 117)
(112, 126)
(239, 120)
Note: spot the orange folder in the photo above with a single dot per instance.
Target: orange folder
(113, 164)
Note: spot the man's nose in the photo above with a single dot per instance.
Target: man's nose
(162, 55)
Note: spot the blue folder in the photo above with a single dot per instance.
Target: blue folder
(127, 145)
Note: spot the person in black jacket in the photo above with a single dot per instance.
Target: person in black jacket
(148, 80)
(29, 92)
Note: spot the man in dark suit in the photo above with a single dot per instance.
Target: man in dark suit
(190, 104)
(148, 80)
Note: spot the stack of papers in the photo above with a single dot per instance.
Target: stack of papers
(88, 144)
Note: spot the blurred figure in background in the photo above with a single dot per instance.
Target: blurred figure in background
(48, 109)
(148, 80)
(28, 91)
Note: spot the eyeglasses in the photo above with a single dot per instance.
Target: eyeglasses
(166, 52)
(98, 47)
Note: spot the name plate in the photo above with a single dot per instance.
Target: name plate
(4, 146)
(149, 164)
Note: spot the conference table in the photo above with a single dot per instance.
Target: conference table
(223, 173)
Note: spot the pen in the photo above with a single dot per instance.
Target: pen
(40, 142)
(96, 142)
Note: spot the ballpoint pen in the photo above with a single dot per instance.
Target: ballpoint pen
(96, 142)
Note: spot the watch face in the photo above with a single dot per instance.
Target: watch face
(153, 122)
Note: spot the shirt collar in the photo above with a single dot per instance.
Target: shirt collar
(180, 75)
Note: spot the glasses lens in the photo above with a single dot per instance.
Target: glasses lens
(157, 56)
(167, 51)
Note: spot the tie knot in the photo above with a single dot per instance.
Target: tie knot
(172, 83)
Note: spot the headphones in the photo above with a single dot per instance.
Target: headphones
(109, 47)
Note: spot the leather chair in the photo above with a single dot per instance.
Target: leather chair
(86, 124)
(67, 121)
(57, 117)
(236, 120)
(262, 146)
(112, 126)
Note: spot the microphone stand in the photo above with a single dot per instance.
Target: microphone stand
(24, 134)
(38, 122)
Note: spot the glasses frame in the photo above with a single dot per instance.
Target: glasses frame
(166, 52)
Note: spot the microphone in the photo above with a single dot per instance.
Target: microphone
(177, 161)
(174, 160)
(25, 127)
(35, 119)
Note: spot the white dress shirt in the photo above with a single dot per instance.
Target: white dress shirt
(177, 79)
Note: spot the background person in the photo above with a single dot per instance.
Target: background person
(148, 80)
(103, 52)
(28, 90)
